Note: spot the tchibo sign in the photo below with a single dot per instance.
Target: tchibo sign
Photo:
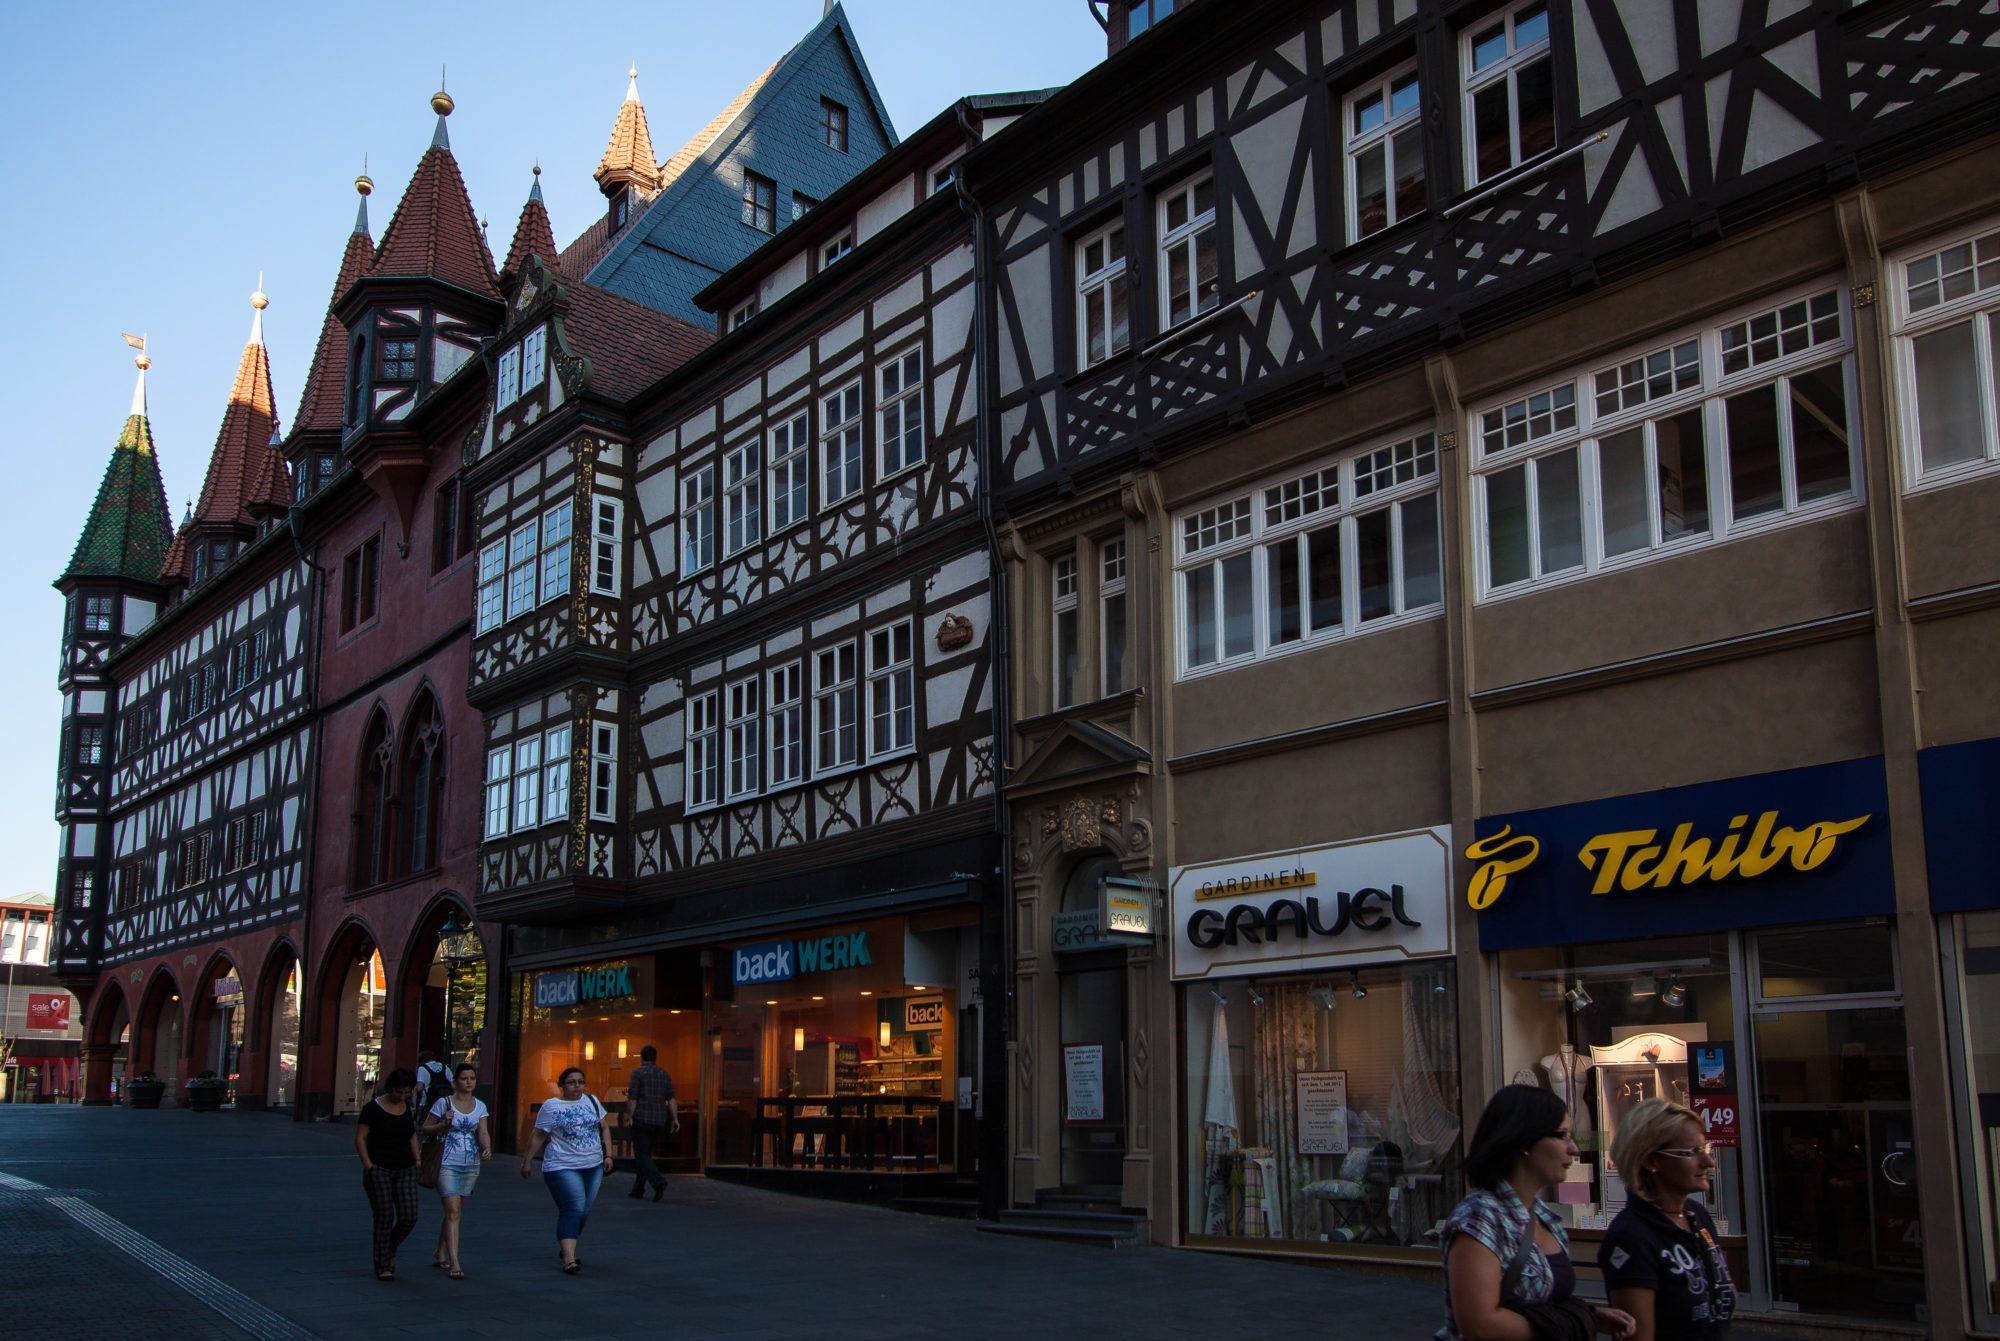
(781, 961)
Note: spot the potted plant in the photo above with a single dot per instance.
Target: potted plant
(145, 1090)
(205, 1092)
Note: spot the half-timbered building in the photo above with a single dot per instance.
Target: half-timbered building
(200, 759)
(760, 713)
(1415, 424)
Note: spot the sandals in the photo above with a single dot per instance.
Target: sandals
(456, 1274)
(440, 1264)
(570, 1268)
(390, 1274)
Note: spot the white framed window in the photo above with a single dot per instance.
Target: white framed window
(606, 545)
(791, 472)
(1349, 546)
(527, 783)
(1065, 636)
(521, 553)
(892, 712)
(704, 772)
(1103, 321)
(492, 598)
(698, 520)
(555, 774)
(743, 747)
(507, 378)
(246, 841)
(1714, 432)
(1111, 616)
(534, 358)
(742, 497)
(192, 860)
(1509, 91)
(1947, 351)
(1187, 250)
(786, 715)
(840, 443)
(900, 408)
(1385, 154)
(743, 311)
(836, 247)
(556, 524)
(603, 770)
(97, 614)
(835, 709)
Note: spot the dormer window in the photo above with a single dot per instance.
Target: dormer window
(399, 360)
(837, 248)
(357, 364)
(802, 205)
(534, 358)
(741, 313)
(200, 565)
(621, 209)
(507, 379)
(760, 202)
(97, 614)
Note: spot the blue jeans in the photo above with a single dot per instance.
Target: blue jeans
(574, 1190)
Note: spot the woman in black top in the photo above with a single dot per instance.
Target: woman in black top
(385, 1136)
(1660, 1257)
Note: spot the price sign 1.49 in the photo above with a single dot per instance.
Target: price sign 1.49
(1718, 1117)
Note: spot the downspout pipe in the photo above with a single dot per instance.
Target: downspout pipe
(999, 999)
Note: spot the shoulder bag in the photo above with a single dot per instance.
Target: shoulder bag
(431, 1159)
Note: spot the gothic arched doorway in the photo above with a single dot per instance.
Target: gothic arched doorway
(1091, 986)
(357, 1047)
(285, 997)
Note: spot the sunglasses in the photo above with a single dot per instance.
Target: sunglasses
(1702, 1151)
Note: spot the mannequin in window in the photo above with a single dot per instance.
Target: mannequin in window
(1565, 1072)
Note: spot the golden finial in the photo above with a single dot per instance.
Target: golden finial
(441, 101)
(258, 299)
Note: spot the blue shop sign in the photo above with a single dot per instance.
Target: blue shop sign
(782, 961)
(1805, 845)
(1961, 786)
(580, 987)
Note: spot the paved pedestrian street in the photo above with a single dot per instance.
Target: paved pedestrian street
(173, 1224)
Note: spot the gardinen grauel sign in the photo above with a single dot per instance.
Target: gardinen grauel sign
(1365, 901)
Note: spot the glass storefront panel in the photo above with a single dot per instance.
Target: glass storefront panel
(284, 1050)
(1826, 961)
(830, 1057)
(1607, 1026)
(598, 1016)
(1979, 1009)
(1323, 1107)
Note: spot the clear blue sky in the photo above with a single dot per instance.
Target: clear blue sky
(158, 156)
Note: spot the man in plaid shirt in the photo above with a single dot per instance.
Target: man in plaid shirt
(649, 1096)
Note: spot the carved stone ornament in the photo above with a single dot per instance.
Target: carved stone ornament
(1864, 295)
(954, 632)
(1081, 820)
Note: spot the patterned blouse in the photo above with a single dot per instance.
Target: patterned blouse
(1497, 1221)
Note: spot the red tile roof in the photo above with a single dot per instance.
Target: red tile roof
(321, 406)
(629, 155)
(532, 237)
(246, 472)
(630, 346)
(434, 232)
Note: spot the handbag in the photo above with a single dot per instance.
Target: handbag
(430, 1159)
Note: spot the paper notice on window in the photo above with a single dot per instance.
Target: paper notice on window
(1083, 1082)
(1322, 1112)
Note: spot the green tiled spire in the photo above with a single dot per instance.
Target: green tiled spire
(129, 526)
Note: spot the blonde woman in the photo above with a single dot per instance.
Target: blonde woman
(1660, 1257)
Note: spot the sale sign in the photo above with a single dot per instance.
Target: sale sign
(48, 1010)
(1712, 1069)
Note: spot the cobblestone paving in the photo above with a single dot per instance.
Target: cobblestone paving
(275, 1210)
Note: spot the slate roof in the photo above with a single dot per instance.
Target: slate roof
(246, 472)
(322, 405)
(630, 346)
(532, 235)
(434, 232)
(129, 528)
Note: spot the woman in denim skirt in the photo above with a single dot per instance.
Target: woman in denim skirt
(468, 1141)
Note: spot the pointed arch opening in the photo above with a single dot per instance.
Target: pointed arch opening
(217, 1022)
(374, 808)
(158, 1038)
(422, 785)
(280, 1002)
(352, 1005)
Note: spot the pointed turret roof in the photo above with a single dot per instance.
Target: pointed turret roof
(129, 528)
(434, 232)
(321, 406)
(628, 158)
(532, 235)
(246, 474)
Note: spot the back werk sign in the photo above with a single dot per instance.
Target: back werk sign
(1805, 845)
(584, 987)
(1365, 901)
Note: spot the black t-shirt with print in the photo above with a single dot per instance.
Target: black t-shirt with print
(1693, 1296)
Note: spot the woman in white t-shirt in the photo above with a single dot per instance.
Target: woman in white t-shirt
(573, 1139)
(462, 1121)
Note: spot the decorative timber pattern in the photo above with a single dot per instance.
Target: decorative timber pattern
(1671, 121)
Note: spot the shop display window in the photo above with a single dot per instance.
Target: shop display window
(598, 1016)
(839, 1050)
(1608, 1026)
(1324, 1108)
(1979, 960)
